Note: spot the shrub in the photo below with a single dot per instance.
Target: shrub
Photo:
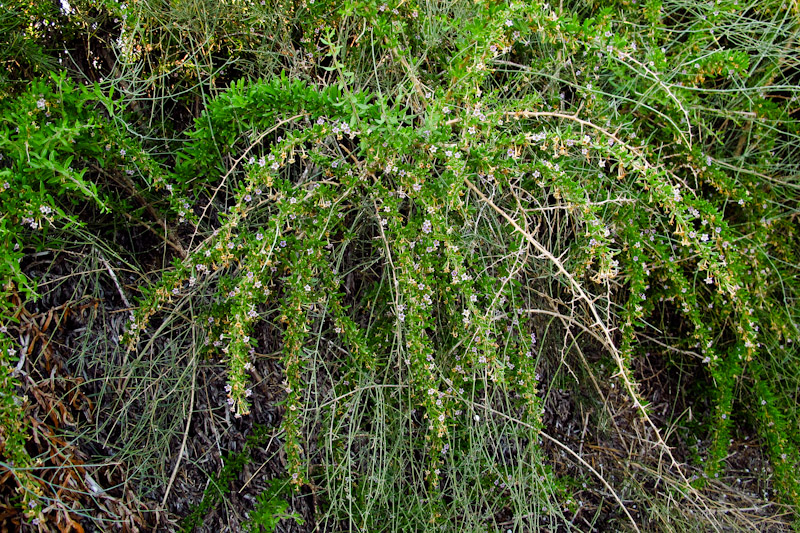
(429, 186)
(431, 199)
(59, 144)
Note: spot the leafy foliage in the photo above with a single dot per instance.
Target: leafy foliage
(219, 484)
(426, 201)
(271, 509)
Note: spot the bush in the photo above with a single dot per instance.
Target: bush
(432, 205)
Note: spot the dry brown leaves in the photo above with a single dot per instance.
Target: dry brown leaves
(72, 489)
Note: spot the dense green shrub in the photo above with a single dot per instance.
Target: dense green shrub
(438, 187)
(58, 141)
(428, 197)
